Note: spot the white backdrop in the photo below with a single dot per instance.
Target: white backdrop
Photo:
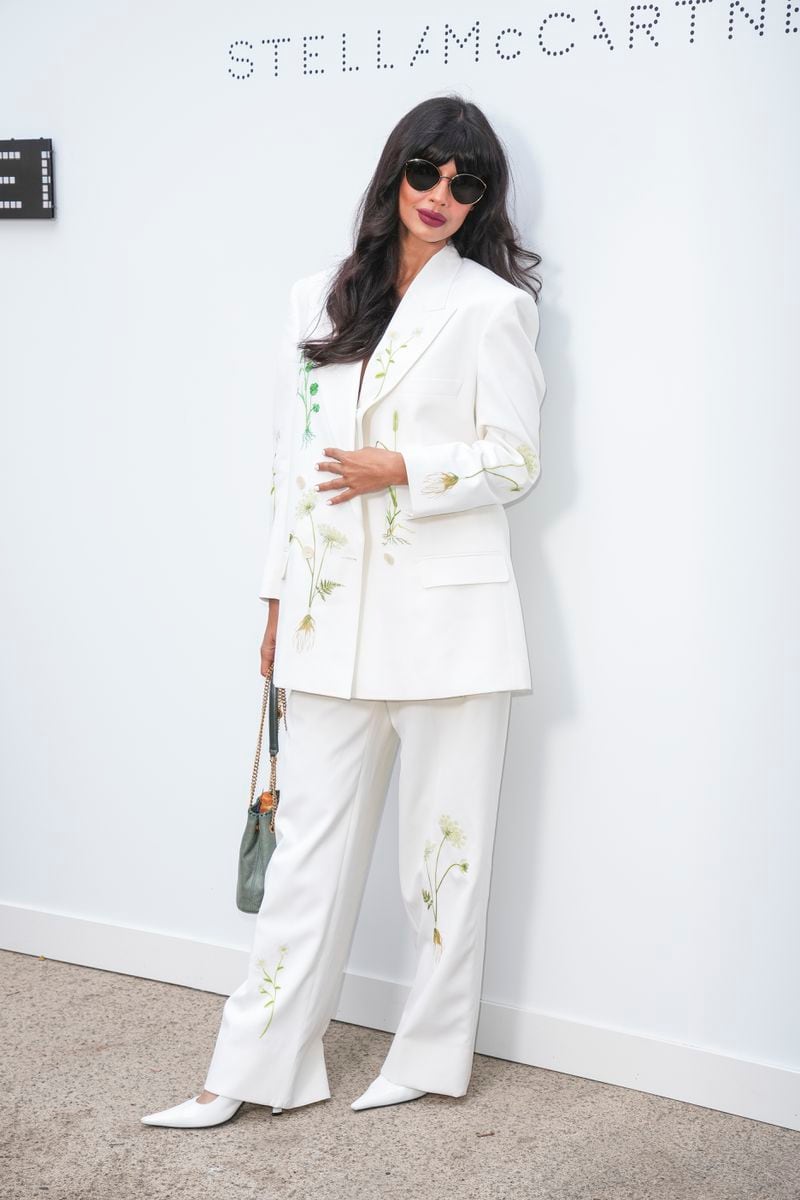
(643, 923)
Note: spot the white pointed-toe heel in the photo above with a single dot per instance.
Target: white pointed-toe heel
(382, 1091)
(191, 1115)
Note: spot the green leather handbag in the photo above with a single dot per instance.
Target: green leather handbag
(258, 840)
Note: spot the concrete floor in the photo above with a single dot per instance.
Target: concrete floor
(86, 1053)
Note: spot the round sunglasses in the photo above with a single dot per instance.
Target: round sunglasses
(422, 175)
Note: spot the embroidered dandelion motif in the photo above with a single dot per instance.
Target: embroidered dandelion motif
(306, 504)
(332, 536)
(272, 988)
(307, 391)
(453, 833)
(393, 525)
(304, 634)
(437, 483)
(320, 586)
(531, 459)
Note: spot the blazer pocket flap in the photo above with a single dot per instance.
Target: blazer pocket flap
(438, 569)
(428, 385)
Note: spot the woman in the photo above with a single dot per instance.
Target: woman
(407, 416)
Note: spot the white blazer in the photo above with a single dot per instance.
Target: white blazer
(408, 592)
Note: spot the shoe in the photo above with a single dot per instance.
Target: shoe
(382, 1091)
(191, 1115)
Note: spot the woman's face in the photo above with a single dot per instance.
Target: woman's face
(438, 201)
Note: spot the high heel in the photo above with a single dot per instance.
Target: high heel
(382, 1091)
(191, 1115)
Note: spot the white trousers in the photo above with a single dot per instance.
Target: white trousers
(334, 767)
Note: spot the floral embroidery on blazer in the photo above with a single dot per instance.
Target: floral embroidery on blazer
(307, 390)
(458, 365)
(320, 587)
(386, 360)
(503, 461)
(435, 484)
(393, 510)
(386, 357)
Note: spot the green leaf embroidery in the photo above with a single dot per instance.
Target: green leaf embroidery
(273, 989)
(386, 358)
(306, 391)
(326, 586)
(393, 524)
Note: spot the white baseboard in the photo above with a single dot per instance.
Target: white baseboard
(692, 1074)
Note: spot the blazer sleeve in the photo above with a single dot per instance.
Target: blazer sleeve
(503, 463)
(284, 383)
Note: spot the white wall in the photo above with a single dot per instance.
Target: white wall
(645, 877)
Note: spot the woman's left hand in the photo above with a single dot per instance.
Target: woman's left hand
(359, 471)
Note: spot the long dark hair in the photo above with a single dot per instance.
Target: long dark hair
(362, 295)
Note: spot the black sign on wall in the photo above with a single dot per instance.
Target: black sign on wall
(26, 178)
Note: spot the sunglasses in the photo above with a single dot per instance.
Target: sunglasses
(422, 175)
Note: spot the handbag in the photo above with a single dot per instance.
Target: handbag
(258, 839)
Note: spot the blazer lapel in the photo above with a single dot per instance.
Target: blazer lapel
(421, 314)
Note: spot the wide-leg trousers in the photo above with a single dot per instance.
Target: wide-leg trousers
(334, 765)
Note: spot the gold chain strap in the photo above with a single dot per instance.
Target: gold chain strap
(281, 711)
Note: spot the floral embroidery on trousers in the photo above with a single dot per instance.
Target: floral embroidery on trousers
(453, 833)
(272, 989)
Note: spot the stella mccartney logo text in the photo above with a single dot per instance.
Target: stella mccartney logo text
(638, 27)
